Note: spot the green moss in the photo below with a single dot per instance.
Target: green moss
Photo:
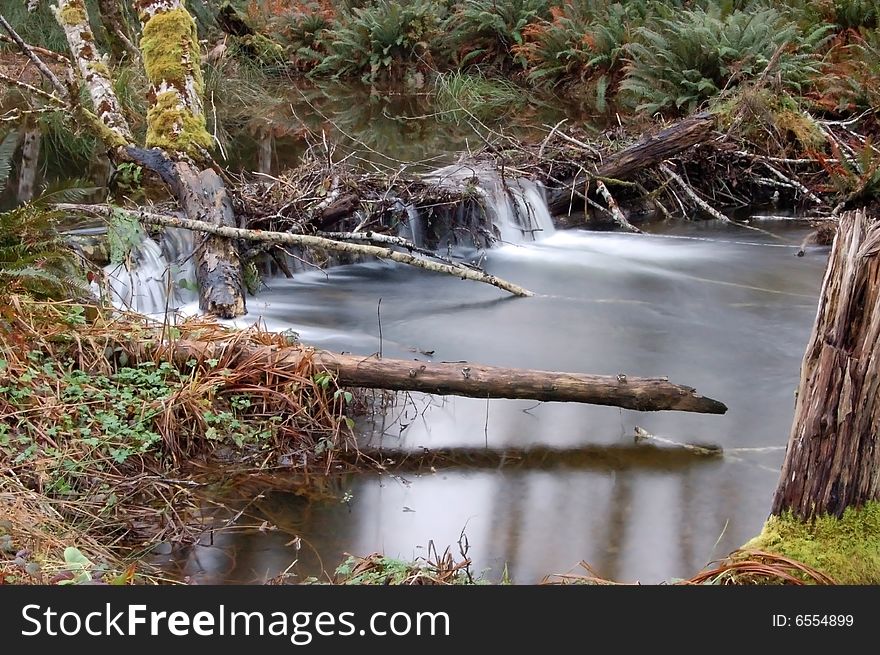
(264, 50)
(170, 48)
(846, 549)
(100, 68)
(172, 127)
(73, 13)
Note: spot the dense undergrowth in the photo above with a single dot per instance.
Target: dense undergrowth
(640, 54)
(106, 442)
(646, 55)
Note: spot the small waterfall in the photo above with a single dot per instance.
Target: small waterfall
(414, 223)
(517, 207)
(156, 279)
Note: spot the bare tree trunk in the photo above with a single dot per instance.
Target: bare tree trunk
(30, 158)
(833, 459)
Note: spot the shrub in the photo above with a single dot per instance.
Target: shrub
(487, 31)
(382, 38)
(581, 41)
(304, 30)
(697, 54)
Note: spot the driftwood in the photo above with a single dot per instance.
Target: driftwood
(339, 243)
(644, 154)
(459, 379)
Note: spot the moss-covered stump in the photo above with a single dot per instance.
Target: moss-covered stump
(845, 549)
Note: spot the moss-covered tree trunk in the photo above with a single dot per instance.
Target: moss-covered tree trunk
(825, 509)
(176, 133)
(176, 124)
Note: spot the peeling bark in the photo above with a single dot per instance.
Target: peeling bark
(833, 460)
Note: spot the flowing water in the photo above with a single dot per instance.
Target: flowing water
(717, 307)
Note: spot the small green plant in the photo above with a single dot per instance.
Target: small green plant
(382, 570)
(129, 176)
(124, 233)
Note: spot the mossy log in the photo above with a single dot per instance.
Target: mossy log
(458, 379)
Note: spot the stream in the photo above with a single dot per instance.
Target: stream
(717, 307)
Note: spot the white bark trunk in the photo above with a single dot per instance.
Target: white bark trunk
(30, 155)
(72, 16)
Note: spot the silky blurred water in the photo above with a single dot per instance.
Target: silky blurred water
(720, 308)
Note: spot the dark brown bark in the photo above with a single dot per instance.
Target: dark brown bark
(231, 23)
(646, 153)
(461, 379)
(833, 460)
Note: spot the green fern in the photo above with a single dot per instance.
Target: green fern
(583, 40)
(34, 258)
(378, 40)
(487, 31)
(695, 55)
(8, 147)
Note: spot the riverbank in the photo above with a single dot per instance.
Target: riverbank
(105, 444)
(110, 427)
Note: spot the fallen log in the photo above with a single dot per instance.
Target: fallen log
(646, 153)
(458, 379)
(306, 240)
